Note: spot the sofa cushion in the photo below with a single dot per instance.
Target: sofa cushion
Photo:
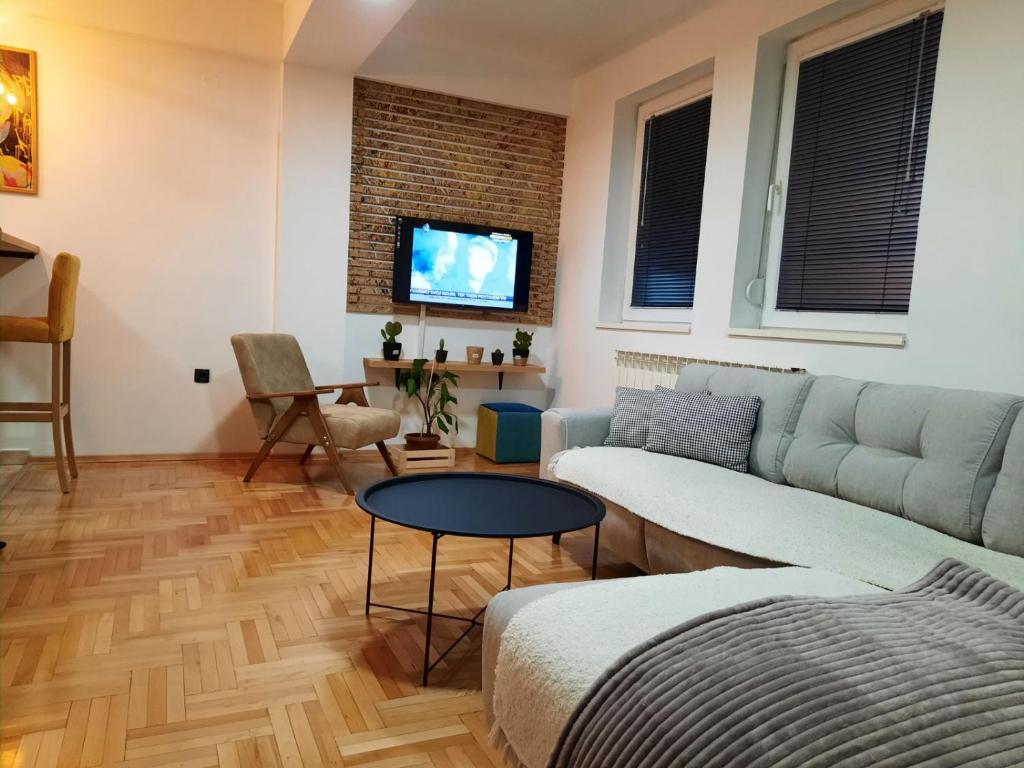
(928, 454)
(1003, 525)
(782, 397)
(539, 651)
(771, 521)
(696, 425)
(631, 417)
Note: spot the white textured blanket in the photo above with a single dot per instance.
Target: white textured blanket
(789, 525)
(556, 647)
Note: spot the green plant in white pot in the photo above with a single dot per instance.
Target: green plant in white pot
(521, 347)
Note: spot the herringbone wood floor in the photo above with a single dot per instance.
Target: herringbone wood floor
(165, 613)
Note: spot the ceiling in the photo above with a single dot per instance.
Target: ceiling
(518, 52)
(545, 38)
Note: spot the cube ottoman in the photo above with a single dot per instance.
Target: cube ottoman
(508, 432)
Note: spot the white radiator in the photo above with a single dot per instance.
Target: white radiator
(644, 370)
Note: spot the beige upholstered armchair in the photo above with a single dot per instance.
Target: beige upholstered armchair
(284, 403)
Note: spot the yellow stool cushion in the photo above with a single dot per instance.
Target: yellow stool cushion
(32, 329)
(59, 324)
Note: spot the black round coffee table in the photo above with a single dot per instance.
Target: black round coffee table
(482, 505)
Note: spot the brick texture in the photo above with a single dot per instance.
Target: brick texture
(417, 153)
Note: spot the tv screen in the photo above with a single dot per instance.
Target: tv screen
(463, 265)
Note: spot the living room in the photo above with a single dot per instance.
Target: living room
(808, 319)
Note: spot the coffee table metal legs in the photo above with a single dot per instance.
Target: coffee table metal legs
(430, 613)
(508, 576)
(369, 565)
(430, 609)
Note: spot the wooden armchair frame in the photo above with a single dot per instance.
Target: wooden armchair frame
(305, 403)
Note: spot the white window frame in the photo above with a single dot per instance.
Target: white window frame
(688, 94)
(862, 25)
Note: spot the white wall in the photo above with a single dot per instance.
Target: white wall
(158, 163)
(313, 206)
(176, 172)
(160, 169)
(966, 320)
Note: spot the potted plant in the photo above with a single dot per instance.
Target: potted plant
(431, 390)
(440, 354)
(521, 347)
(497, 357)
(392, 347)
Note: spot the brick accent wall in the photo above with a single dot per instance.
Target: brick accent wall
(417, 153)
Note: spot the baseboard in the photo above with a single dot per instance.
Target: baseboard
(8, 458)
(122, 458)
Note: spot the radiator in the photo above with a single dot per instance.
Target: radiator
(644, 370)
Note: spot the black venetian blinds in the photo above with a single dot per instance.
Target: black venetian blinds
(668, 216)
(859, 138)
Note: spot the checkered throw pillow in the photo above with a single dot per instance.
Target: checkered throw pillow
(695, 425)
(631, 417)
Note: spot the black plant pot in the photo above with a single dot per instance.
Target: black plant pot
(440, 355)
(497, 358)
(421, 441)
(520, 356)
(392, 350)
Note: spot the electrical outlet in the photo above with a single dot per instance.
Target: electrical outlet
(201, 376)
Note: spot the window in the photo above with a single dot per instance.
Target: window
(672, 145)
(853, 139)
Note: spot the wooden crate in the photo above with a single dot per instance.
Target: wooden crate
(410, 461)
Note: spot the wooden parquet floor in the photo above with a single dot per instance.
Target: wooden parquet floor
(166, 614)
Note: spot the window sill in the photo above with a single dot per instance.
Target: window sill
(683, 328)
(859, 338)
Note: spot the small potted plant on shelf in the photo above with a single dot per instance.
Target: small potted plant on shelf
(392, 347)
(440, 354)
(497, 357)
(521, 347)
(432, 392)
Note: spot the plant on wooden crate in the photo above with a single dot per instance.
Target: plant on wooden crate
(433, 393)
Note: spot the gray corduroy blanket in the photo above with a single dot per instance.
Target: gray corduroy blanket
(932, 675)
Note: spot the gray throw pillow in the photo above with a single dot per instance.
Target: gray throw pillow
(695, 425)
(631, 418)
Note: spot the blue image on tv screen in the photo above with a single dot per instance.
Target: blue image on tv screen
(460, 268)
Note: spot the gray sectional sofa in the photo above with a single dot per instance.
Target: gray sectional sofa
(951, 461)
(854, 487)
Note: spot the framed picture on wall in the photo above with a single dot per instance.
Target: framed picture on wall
(19, 146)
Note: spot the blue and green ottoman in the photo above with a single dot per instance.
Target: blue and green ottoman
(508, 432)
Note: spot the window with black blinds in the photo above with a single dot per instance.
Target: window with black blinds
(854, 194)
(668, 213)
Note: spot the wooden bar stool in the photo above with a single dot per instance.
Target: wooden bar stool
(56, 329)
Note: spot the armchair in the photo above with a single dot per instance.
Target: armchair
(286, 407)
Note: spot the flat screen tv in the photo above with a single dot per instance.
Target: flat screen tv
(462, 265)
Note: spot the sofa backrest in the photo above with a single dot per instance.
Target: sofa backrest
(927, 454)
(1003, 525)
(782, 397)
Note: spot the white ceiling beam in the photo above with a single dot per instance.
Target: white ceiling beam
(338, 34)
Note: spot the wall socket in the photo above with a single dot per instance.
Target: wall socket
(201, 376)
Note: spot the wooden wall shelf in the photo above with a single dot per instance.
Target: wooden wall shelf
(16, 247)
(456, 366)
